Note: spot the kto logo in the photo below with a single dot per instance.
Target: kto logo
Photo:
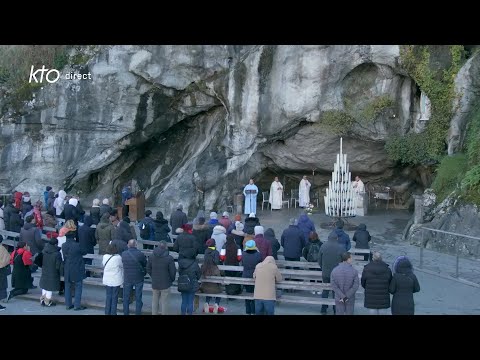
(51, 78)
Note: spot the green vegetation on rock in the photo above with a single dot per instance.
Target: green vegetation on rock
(438, 84)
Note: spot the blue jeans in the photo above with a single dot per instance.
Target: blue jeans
(187, 303)
(111, 300)
(264, 307)
(217, 300)
(127, 288)
(78, 293)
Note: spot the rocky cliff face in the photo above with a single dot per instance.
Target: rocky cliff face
(182, 118)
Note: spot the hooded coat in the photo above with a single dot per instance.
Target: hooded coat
(123, 231)
(266, 274)
(32, 237)
(71, 211)
(250, 224)
(306, 226)
(376, 277)
(343, 238)
(362, 237)
(270, 235)
(51, 263)
(21, 260)
(74, 269)
(403, 285)
(219, 235)
(50, 202)
(161, 268)
(185, 243)
(161, 229)
(7, 212)
(330, 256)
(189, 266)
(293, 242)
(177, 220)
(202, 233)
(104, 233)
(59, 203)
(86, 236)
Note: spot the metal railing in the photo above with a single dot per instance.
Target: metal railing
(457, 255)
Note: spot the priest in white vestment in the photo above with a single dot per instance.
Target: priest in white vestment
(304, 192)
(359, 190)
(358, 185)
(276, 194)
(250, 198)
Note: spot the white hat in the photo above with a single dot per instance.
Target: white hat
(225, 213)
(259, 230)
(251, 215)
(213, 215)
(239, 226)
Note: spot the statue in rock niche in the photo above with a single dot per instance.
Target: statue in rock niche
(425, 107)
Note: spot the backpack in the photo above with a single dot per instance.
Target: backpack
(144, 230)
(313, 252)
(185, 282)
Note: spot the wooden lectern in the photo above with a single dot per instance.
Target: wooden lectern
(136, 207)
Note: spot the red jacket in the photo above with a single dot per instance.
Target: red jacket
(38, 217)
(26, 256)
(18, 199)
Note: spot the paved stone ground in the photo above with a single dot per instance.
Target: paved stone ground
(439, 294)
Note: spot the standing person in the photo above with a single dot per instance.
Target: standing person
(126, 195)
(95, 212)
(232, 223)
(239, 234)
(329, 257)
(112, 278)
(161, 228)
(5, 270)
(225, 220)
(9, 209)
(266, 274)
(105, 207)
(293, 242)
(50, 279)
(188, 269)
(86, 239)
(362, 237)
(45, 194)
(74, 271)
(306, 226)
(2, 222)
(358, 185)
(263, 245)
(219, 236)
(212, 252)
(18, 196)
(403, 285)
(276, 194)
(59, 204)
(162, 270)
(311, 251)
(213, 220)
(71, 211)
(343, 238)
(344, 280)
(304, 192)
(250, 258)
(81, 212)
(202, 233)
(270, 236)
(147, 230)
(184, 242)
(231, 255)
(32, 236)
(16, 221)
(200, 214)
(49, 203)
(21, 259)
(104, 233)
(123, 231)
(209, 268)
(178, 219)
(134, 266)
(26, 204)
(250, 222)
(37, 214)
(376, 277)
(250, 191)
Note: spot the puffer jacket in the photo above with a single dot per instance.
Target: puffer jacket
(219, 236)
(104, 233)
(362, 237)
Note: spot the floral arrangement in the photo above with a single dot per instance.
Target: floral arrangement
(309, 209)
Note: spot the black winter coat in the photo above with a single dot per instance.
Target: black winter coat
(123, 232)
(161, 267)
(250, 259)
(105, 209)
(250, 224)
(362, 237)
(52, 260)
(86, 236)
(161, 229)
(71, 213)
(214, 254)
(16, 221)
(95, 215)
(202, 233)
(121, 246)
(190, 267)
(177, 220)
(376, 277)
(270, 235)
(134, 263)
(306, 249)
(21, 275)
(404, 283)
(183, 242)
(293, 242)
(74, 269)
(7, 212)
(26, 207)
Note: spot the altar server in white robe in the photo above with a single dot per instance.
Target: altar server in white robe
(304, 192)
(250, 199)
(276, 194)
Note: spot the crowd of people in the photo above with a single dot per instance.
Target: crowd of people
(221, 239)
